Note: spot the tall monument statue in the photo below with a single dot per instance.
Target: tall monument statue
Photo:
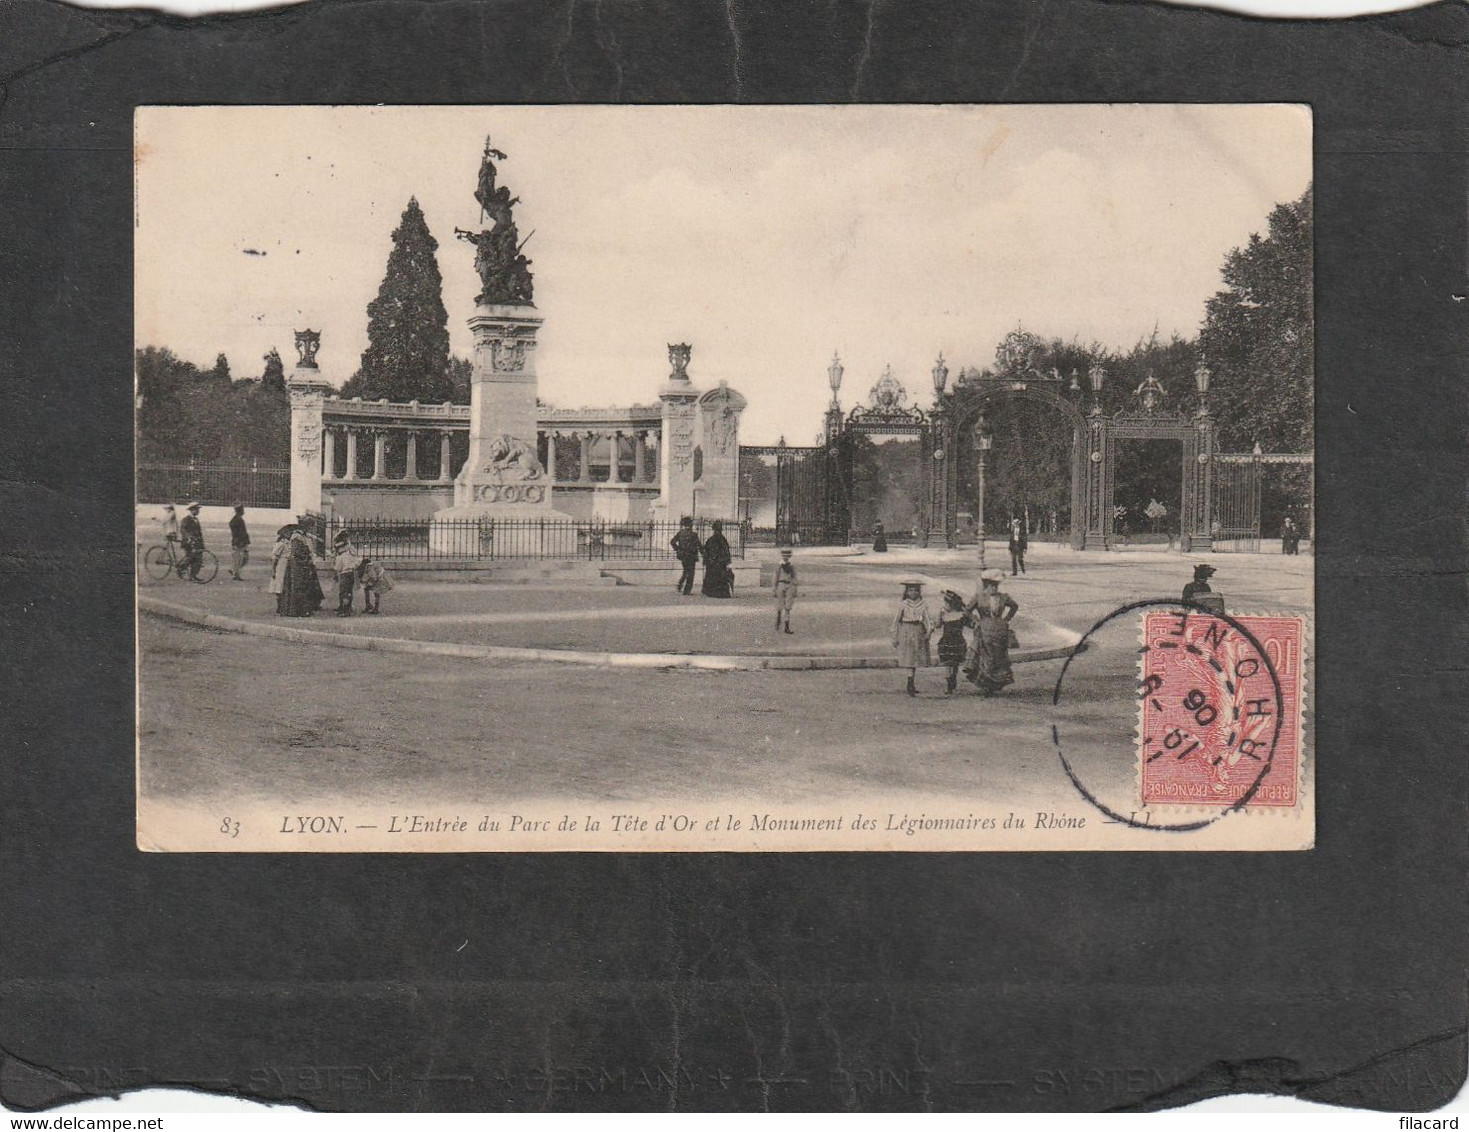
(503, 476)
(503, 272)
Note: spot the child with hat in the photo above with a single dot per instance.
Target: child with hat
(170, 523)
(375, 583)
(280, 558)
(912, 627)
(785, 590)
(953, 648)
(345, 563)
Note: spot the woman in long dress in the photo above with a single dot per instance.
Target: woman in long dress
(303, 589)
(991, 613)
(717, 558)
(280, 556)
(912, 627)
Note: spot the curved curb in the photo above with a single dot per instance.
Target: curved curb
(710, 662)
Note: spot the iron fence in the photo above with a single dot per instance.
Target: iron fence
(446, 540)
(217, 485)
(794, 534)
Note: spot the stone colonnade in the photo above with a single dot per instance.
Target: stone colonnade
(645, 442)
(336, 436)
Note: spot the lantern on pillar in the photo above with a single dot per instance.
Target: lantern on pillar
(1202, 377)
(834, 378)
(1096, 377)
(940, 377)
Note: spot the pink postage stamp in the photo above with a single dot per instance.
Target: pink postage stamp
(1220, 710)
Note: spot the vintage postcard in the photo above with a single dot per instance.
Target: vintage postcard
(712, 479)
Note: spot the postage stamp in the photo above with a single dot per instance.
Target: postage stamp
(1220, 710)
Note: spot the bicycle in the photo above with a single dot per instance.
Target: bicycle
(161, 561)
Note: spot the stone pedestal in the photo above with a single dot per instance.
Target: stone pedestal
(611, 504)
(503, 477)
(306, 450)
(719, 432)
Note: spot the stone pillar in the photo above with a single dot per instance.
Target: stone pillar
(306, 448)
(639, 464)
(351, 453)
(445, 437)
(719, 437)
(379, 452)
(551, 456)
(328, 452)
(410, 460)
(613, 472)
(584, 457)
(676, 454)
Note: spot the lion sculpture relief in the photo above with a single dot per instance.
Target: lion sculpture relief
(509, 458)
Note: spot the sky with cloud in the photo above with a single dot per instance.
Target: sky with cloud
(765, 236)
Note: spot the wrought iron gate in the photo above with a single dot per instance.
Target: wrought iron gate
(1237, 505)
(790, 496)
(886, 450)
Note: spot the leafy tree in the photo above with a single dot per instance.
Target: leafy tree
(221, 370)
(188, 414)
(887, 483)
(407, 355)
(163, 384)
(460, 370)
(1258, 337)
(274, 376)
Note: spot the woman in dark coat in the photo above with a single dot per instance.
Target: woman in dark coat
(718, 577)
(302, 593)
(879, 539)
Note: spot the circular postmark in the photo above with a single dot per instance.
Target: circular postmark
(1164, 705)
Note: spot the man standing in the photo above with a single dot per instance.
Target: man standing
(1290, 538)
(686, 549)
(239, 544)
(191, 540)
(1018, 545)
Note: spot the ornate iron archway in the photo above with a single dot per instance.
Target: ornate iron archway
(886, 414)
(958, 411)
(1095, 435)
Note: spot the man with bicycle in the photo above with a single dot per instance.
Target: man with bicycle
(191, 539)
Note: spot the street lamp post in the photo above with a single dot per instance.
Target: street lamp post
(938, 497)
(982, 442)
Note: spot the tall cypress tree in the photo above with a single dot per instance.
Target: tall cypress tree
(407, 353)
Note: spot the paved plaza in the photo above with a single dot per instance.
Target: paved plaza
(232, 716)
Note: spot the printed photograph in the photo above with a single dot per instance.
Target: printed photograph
(724, 479)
